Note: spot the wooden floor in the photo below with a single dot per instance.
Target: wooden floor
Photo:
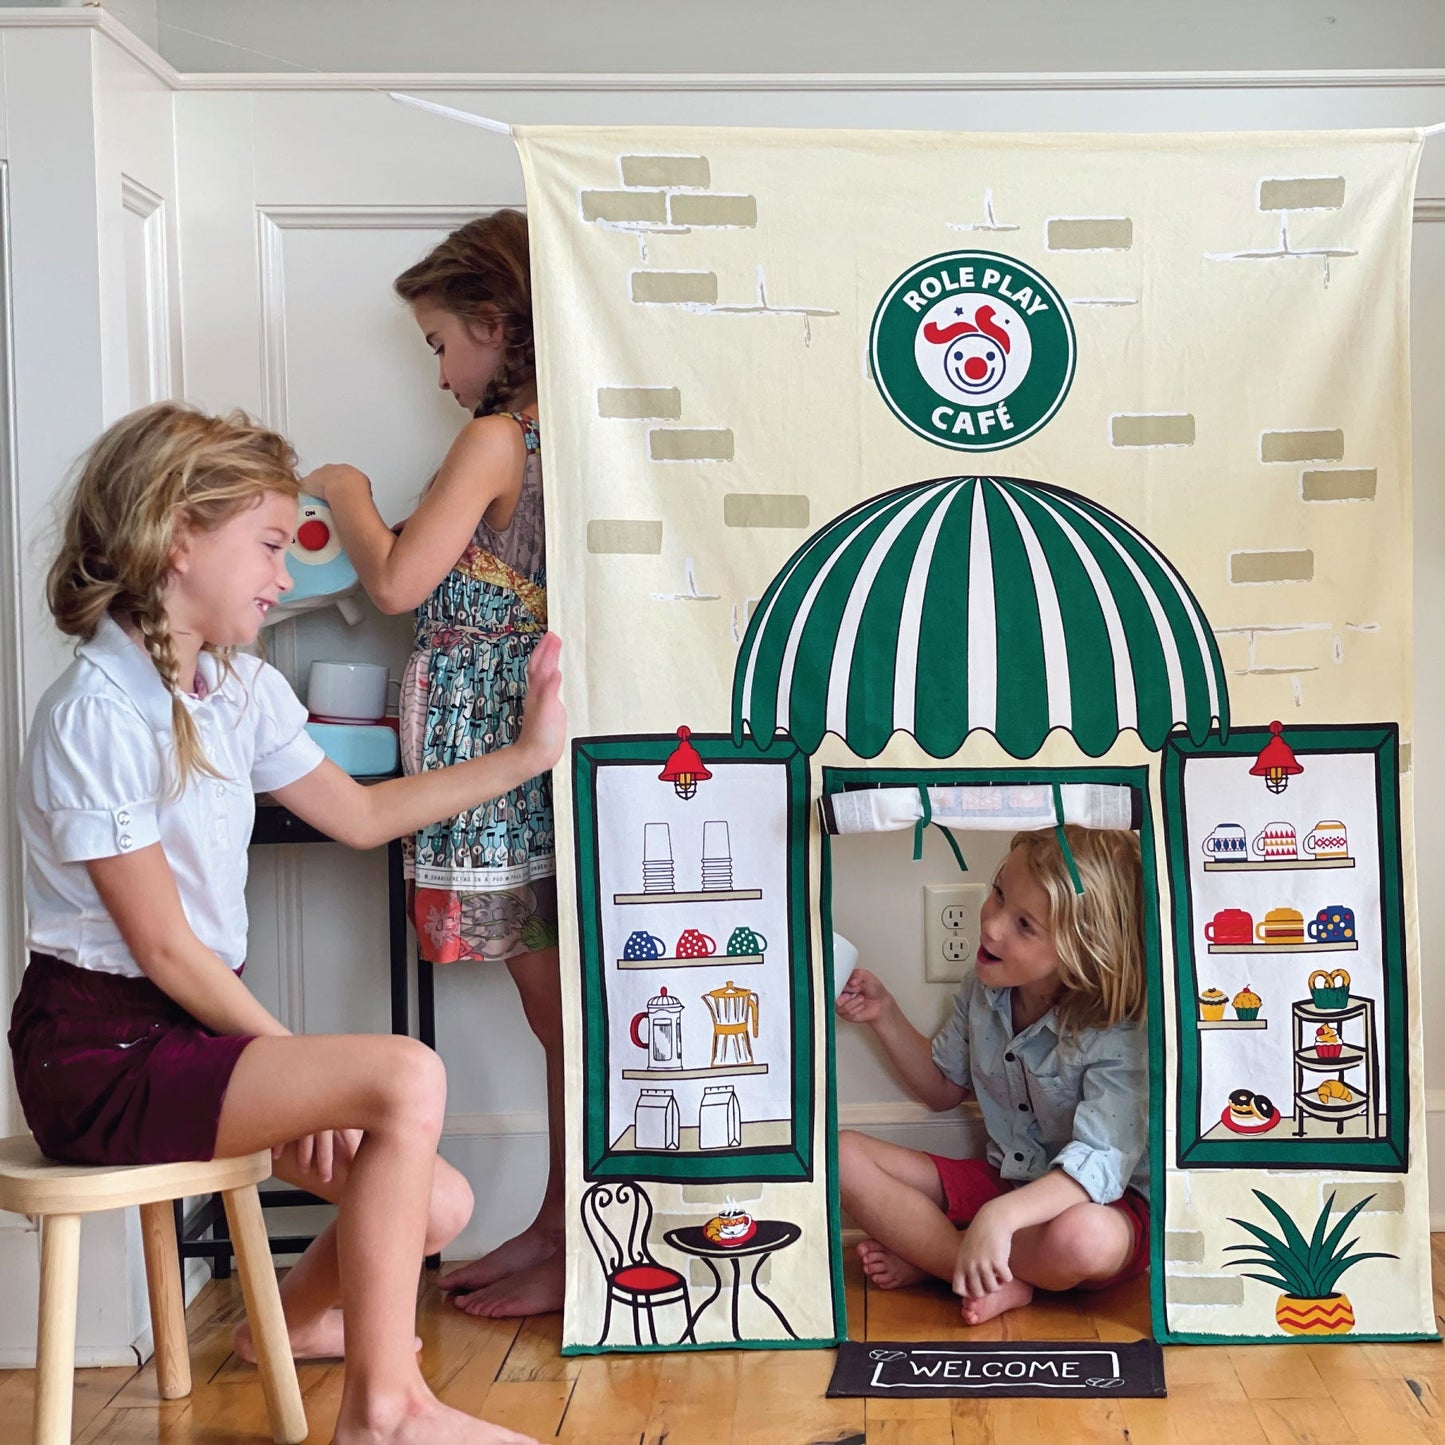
(1249, 1395)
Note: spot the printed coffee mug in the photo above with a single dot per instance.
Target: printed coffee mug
(1328, 839)
(642, 945)
(744, 942)
(1277, 840)
(695, 944)
(1230, 925)
(1227, 843)
(1334, 923)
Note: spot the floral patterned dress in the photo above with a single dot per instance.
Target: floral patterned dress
(484, 882)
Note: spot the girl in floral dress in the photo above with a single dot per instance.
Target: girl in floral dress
(472, 562)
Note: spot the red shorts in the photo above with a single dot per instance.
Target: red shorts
(110, 1071)
(969, 1184)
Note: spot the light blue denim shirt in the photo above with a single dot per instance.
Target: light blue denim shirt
(1049, 1100)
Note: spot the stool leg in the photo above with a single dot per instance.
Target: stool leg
(168, 1303)
(55, 1350)
(263, 1310)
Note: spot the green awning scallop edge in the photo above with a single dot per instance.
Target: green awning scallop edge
(966, 604)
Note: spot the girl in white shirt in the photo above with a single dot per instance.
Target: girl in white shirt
(134, 1039)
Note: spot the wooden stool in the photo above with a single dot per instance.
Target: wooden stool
(61, 1193)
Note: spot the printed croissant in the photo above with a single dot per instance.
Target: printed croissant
(1332, 1090)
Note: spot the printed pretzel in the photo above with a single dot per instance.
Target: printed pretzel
(1336, 978)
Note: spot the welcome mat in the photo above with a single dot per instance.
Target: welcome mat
(1003, 1368)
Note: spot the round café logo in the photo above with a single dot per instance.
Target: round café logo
(972, 350)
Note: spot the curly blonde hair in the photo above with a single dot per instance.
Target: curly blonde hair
(154, 469)
(482, 272)
(1099, 933)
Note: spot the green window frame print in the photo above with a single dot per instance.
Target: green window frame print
(1388, 1152)
(788, 1161)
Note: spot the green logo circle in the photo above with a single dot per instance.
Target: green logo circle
(973, 350)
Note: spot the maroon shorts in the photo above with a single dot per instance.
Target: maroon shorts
(969, 1184)
(111, 1071)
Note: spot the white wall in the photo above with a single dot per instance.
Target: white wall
(285, 208)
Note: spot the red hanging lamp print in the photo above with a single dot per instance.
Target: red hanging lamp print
(1276, 762)
(685, 768)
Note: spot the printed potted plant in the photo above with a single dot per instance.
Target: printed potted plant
(1308, 1271)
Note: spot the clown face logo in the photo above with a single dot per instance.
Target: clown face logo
(973, 350)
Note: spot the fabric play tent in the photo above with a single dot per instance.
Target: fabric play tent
(760, 354)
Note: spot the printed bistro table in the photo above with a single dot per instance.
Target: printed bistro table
(771, 1235)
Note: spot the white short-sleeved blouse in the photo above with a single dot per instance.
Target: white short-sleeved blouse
(94, 780)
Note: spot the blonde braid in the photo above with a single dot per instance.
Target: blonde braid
(161, 648)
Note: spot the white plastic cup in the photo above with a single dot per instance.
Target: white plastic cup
(845, 960)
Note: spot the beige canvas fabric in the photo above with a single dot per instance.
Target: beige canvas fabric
(722, 378)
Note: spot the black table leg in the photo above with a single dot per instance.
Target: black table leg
(426, 1006)
(758, 1290)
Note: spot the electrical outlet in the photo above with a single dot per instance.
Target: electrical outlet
(950, 928)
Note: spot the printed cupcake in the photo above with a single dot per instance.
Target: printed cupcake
(1247, 1004)
(1327, 1042)
(1212, 1002)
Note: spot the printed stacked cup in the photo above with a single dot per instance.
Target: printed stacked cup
(717, 857)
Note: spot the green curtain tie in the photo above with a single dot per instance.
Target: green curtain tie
(921, 824)
(1064, 841)
(924, 822)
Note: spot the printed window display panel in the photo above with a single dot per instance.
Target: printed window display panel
(697, 987)
(1285, 867)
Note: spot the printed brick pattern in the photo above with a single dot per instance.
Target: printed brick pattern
(674, 287)
(1184, 1246)
(712, 210)
(1304, 193)
(1250, 567)
(609, 535)
(1339, 484)
(638, 403)
(690, 444)
(666, 171)
(1184, 1289)
(645, 206)
(765, 509)
(1091, 233)
(1302, 446)
(1152, 431)
(1292, 649)
(1388, 1198)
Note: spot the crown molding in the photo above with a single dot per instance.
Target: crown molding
(542, 82)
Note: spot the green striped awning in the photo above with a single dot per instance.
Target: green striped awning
(978, 602)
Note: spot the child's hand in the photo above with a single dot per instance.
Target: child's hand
(983, 1254)
(544, 719)
(864, 998)
(324, 481)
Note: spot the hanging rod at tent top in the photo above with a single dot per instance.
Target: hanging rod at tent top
(452, 113)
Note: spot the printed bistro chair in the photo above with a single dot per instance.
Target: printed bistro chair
(616, 1218)
(59, 1194)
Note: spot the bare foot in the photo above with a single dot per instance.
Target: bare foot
(323, 1339)
(534, 1291)
(885, 1269)
(530, 1247)
(424, 1422)
(1012, 1296)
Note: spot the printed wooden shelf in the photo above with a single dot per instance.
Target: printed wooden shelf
(1348, 1057)
(1231, 1023)
(721, 895)
(712, 960)
(760, 1134)
(1283, 947)
(1279, 865)
(718, 1072)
